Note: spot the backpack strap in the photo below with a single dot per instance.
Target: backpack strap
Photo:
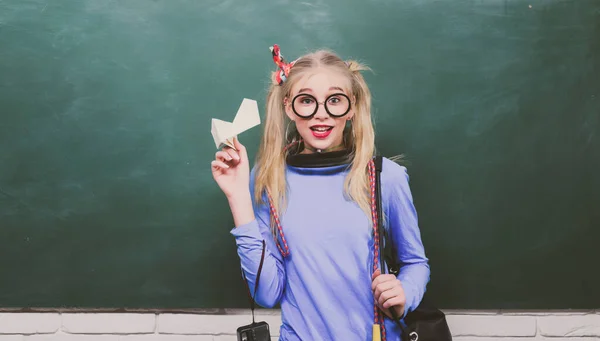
(386, 244)
(388, 257)
(378, 163)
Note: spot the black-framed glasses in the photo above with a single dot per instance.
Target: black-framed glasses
(306, 106)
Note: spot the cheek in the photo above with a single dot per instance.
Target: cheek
(302, 126)
(340, 123)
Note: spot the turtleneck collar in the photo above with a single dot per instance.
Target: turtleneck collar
(320, 160)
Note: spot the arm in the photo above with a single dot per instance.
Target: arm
(405, 234)
(252, 226)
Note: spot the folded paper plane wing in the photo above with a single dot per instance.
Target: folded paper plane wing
(246, 117)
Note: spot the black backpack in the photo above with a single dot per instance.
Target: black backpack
(426, 322)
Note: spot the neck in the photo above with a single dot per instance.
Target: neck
(310, 149)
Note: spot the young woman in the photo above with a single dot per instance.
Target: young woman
(309, 199)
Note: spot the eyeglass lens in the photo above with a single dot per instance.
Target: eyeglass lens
(305, 105)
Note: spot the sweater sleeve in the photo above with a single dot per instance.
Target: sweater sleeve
(248, 238)
(402, 223)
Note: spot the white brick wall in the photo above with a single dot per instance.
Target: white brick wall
(465, 326)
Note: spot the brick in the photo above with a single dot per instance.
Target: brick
(197, 324)
(492, 325)
(108, 323)
(569, 325)
(165, 337)
(471, 312)
(71, 337)
(567, 339)
(537, 338)
(11, 337)
(234, 338)
(544, 313)
(479, 338)
(225, 338)
(211, 324)
(29, 323)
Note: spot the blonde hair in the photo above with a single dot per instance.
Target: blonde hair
(271, 157)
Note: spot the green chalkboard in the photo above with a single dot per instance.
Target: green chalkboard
(106, 197)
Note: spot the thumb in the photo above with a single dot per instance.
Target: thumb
(240, 147)
(376, 274)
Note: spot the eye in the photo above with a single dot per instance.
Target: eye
(305, 100)
(335, 100)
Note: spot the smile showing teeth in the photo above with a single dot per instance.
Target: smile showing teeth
(321, 131)
(321, 128)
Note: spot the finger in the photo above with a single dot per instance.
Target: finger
(217, 164)
(386, 295)
(233, 154)
(240, 147)
(395, 294)
(393, 302)
(380, 279)
(382, 287)
(375, 279)
(223, 155)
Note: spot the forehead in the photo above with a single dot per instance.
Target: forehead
(321, 81)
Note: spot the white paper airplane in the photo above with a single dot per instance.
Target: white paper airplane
(247, 116)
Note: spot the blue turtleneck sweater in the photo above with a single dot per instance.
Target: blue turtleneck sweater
(324, 285)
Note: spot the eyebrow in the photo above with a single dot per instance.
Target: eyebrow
(330, 89)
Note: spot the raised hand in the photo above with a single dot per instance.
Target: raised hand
(231, 170)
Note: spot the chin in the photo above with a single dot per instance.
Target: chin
(322, 144)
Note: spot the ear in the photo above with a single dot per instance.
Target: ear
(288, 108)
(351, 113)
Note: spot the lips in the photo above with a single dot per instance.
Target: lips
(321, 131)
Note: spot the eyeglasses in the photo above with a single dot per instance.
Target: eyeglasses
(306, 106)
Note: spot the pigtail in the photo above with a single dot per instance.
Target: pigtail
(269, 174)
(363, 137)
(355, 66)
(274, 80)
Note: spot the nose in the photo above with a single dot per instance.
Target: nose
(321, 113)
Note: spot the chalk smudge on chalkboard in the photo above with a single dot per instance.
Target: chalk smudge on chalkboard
(314, 17)
(6, 194)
